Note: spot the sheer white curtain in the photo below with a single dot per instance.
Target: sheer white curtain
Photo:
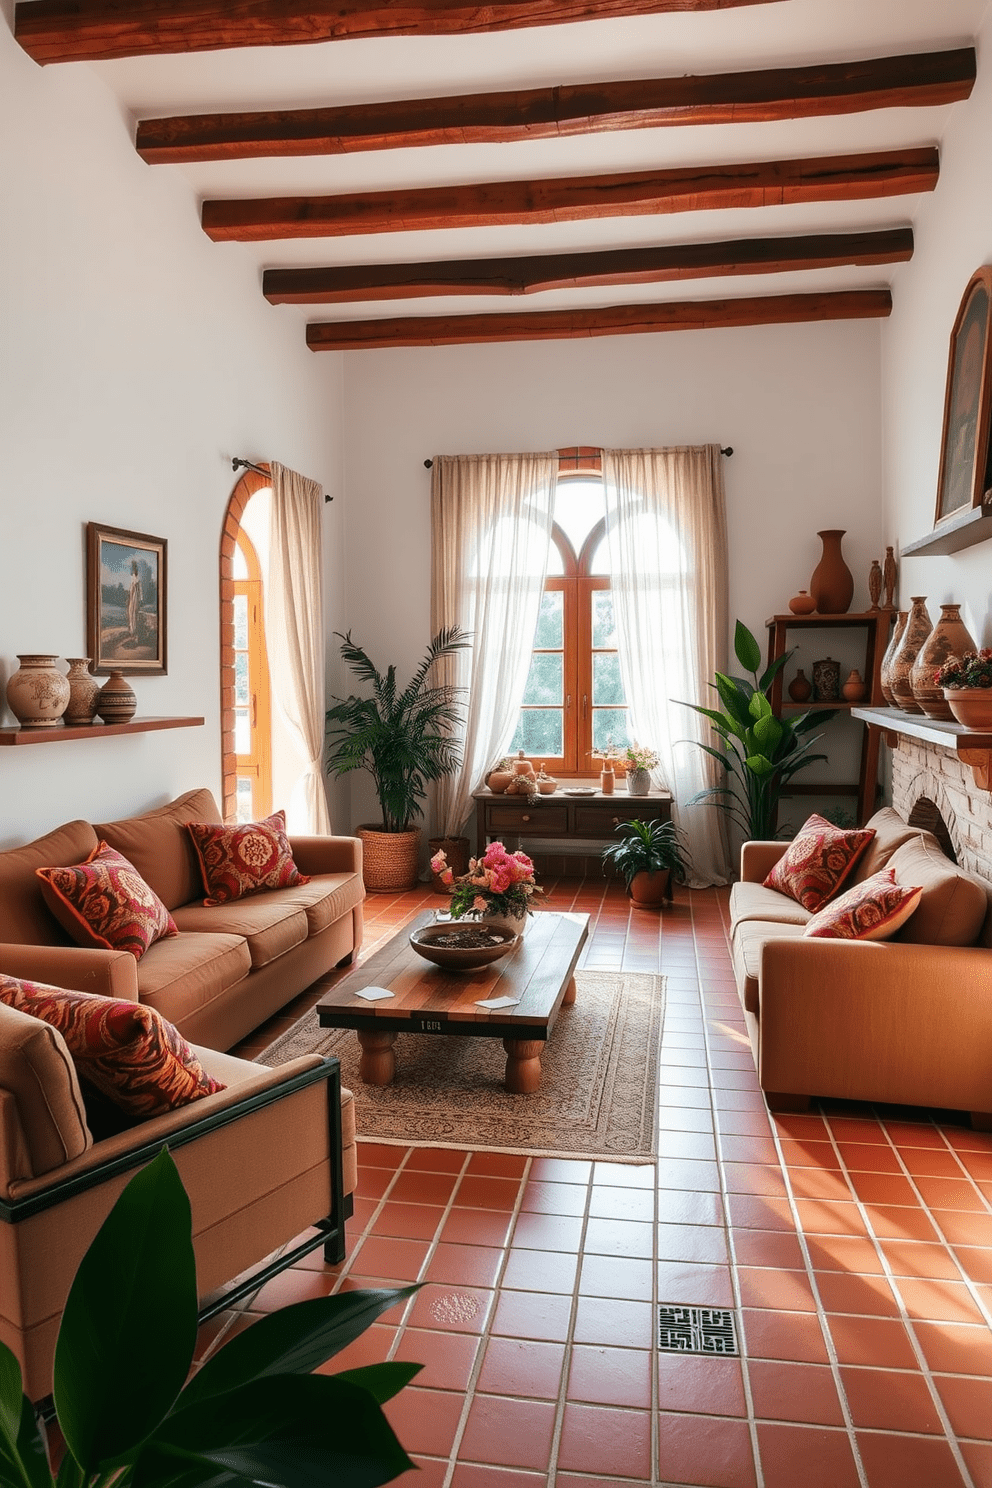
(490, 532)
(666, 527)
(294, 633)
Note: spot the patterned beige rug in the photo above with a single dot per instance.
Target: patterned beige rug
(598, 1095)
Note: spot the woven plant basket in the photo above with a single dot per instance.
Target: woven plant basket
(390, 860)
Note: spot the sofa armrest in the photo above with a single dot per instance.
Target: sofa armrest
(77, 968)
(327, 854)
(759, 858)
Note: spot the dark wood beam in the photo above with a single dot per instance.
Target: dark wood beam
(569, 199)
(521, 276)
(919, 80)
(616, 320)
(96, 30)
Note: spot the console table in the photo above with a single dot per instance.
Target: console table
(591, 818)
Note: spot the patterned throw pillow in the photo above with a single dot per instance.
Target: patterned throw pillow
(873, 910)
(237, 861)
(105, 903)
(126, 1050)
(817, 861)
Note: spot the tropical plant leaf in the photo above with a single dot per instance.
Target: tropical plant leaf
(768, 733)
(382, 1381)
(746, 648)
(23, 1462)
(759, 765)
(771, 672)
(736, 704)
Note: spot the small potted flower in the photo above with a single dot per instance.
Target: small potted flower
(497, 889)
(640, 761)
(651, 856)
(967, 684)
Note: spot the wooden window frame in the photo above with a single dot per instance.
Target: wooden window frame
(244, 490)
(258, 763)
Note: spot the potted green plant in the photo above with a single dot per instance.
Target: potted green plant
(404, 739)
(651, 856)
(967, 684)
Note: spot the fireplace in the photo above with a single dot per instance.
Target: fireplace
(933, 788)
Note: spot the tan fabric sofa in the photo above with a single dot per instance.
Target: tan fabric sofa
(907, 1020)
(230, 967)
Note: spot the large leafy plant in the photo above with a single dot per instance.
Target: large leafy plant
(253, 1414)
(404, 739)
(647, 847)
(758, 753)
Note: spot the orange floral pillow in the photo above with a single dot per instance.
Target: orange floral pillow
(237, 861)
(817, 861)
(124, 1049)
(106, 904)
(873, 910)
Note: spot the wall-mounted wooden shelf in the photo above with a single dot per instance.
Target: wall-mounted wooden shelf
(950, 537)
(974, 750)
(61, 734)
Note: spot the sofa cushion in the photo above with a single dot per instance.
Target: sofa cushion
(752, 901)
(242, 860)
(748, 943)
(106, 904)
(179, 976)
(890, 833)
(159, 846)
(325, 898)
(817, 861)
(269, 924)
(872, 910)
(37, 1069)
(24, 917)
(952, 909)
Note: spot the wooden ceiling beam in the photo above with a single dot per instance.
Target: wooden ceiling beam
(571, 199)
(98, 30)
(920, 80)
(615, 320)
(531, 275)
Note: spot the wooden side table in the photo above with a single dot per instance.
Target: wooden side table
(563, 817)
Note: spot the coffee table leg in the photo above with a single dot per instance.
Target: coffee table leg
(523, 1065)
(378, 1063)
(569, 997)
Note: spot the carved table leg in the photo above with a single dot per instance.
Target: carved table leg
(378, 1063)
(569, 997)
(523, 1065)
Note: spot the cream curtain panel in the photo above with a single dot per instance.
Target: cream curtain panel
(490, 533)
(295, 636)
(667, 533)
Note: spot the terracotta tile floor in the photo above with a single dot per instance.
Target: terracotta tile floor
(854, 1244)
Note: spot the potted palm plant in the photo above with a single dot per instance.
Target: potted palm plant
(651, 856)
(404, 739)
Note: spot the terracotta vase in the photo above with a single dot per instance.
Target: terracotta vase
(802, 603)
(800, 688)
(498, 780)
(949, 637)
(832, 582)
(891, 652)
(826, 680)
(116, 702)
(854, 688)
(38, 692)
(651, 890)
(521, 765)
(84, 690)
(918, 627)
(971, 706)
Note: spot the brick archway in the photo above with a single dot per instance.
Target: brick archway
(244, 490)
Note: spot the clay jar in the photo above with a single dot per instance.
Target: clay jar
(826, 680)
(949, 637)
(891, 652)
(498, 780)
(854, 688)
(832, 582)
(83, 692)
(38, 692)
(802, 603)
(521, 765)
(918, 627)
(117, 701)
(800, 688)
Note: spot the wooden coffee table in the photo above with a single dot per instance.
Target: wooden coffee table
(540, 972)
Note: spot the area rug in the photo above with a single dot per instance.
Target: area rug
(598, 1096)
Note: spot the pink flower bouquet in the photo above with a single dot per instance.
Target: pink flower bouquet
(498, 883)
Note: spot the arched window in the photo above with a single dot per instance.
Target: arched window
(246, 734)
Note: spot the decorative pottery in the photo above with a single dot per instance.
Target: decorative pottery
(547, 786)
(971, 706)
(826, 680)
(638, 782)
(832, 582)
(800, 688)
(521, 765)
(456, 850)
(802, 603)
(498, 780)
(607, 780)
(875, 583)
(918, 627)
(38, 692)
(84, 691)
(116, 700)
(891, 652)
(651, 890)
(515, 923)
(854, 688)
(890, 574)
(462, 958)
(390, 860)
(949, 637)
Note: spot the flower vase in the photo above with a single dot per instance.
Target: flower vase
(891, 652)
(38, 692)
(83, 692)
(516, 923)
(638, 782)
(949, 637)
(918, 627)
(832, 583)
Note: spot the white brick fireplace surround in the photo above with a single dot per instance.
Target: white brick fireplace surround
(928, 773)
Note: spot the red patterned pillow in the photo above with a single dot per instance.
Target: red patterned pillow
(237, 861)
(126, 1050)
(105, 903)
(873, 910)
(817, 861)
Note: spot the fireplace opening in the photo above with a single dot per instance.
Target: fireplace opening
(926, 815)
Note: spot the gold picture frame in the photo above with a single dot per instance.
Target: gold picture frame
(126, 594)
(964, 475)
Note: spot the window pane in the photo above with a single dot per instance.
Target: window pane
(579, 505)
(540, 733)
(544, 682)
(551, 622)
(241, 679)
(609, 726)
(604, 625)
(240, 565)
(607, 686)
(601, 558)
(556, 564)
(242, 732)
(244, 810)
(241, 621)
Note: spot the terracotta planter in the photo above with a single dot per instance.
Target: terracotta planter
(949, 637)
(832, 582)
(84, 690)
(854, 688)
(517, 923)
(918, 627)
(498, 780)
(651, 890)
(116, 701)
(891, 652)
(971, 706)
(38, 692)
(390, 860)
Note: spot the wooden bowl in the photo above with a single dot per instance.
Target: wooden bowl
(462, 958)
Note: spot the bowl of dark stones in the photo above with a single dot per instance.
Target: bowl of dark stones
(462, 945)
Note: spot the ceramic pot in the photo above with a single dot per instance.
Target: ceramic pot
(607, 780)
(918, 627)
(971, 706)
(116, 701)
(84, 690)
(638, 782)
(521, 765)
(949, 637)
(826, 680)
(802, 603)
(651, 890)
(547, 786)
(517, 923)
(800, 688)
(854, 688)
(891, 651)
(498, 780)
(38, 692)
(832, 582)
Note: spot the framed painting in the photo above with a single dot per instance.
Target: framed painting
(964, 452)
(125, 600)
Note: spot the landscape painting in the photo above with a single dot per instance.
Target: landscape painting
(125, 600)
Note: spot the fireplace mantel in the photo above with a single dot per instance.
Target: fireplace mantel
(974, 750)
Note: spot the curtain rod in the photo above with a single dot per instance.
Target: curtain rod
(240, 464)
(429, 464)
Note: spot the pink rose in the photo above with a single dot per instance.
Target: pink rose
(438, 862)
(447, 875)
(479, 903)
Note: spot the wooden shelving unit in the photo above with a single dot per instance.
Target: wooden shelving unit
(61, 734)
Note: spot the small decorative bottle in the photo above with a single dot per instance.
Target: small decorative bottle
(607, 779)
